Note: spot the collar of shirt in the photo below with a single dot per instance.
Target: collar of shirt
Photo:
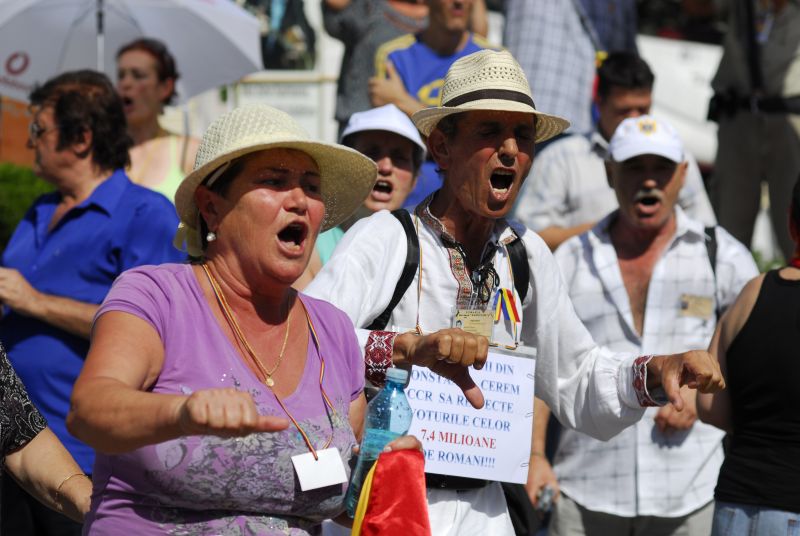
(599, 144)
(685, 227)
(108, 193)
(502, 232)
(105, 197)
(470, 281)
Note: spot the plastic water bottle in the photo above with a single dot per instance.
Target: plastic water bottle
(388, 417)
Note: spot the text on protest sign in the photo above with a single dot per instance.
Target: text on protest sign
(492, 443)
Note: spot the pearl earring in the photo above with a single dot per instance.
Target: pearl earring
(211, 236)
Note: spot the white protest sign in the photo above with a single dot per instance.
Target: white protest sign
(491, 443)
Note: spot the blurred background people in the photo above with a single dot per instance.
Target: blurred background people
(362, 26)
(756, 344)
(558, 44)
(146, 76)
(567, 191)
(288, 41)
(191, 363)
(389, 138)
(614, 22)
(33, 455)
(66, 252)
(643, 280)
(409, 70)
(757, 105)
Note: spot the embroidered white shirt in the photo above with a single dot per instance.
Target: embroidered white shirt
(587, 387)
(567, 186)
(642, 472)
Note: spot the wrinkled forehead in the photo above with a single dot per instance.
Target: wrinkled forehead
(281, 159)
(470, 120)
(501, 117)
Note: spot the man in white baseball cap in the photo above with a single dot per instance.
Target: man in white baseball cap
(387, 136)
(646, 278)
(482, 139)
(390, 139)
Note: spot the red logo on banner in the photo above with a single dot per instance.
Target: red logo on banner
(17, 63)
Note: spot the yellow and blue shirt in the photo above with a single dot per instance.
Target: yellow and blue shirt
(422, 71)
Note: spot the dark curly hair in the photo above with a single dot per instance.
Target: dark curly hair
(165, 63)
(86, 101)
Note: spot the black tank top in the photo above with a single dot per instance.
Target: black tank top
(762, 466)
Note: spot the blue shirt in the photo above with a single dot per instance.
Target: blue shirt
(120, 225)
(422, 71)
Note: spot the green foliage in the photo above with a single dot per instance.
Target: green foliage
(19, 187)
(764, 265)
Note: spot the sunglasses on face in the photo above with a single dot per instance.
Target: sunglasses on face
(36, 131)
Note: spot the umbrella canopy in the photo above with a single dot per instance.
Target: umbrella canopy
(214, 42)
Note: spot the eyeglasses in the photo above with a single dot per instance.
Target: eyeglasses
(485, 281)
(36, 131)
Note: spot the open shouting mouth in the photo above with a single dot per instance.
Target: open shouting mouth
(382, 191)
(293, 237)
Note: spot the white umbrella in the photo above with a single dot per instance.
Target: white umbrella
(214, 42)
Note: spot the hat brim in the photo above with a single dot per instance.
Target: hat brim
(385, 128)
(622, 154)
(346, 178)
(547, 126)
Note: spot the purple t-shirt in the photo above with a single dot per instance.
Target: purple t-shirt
(213, 485)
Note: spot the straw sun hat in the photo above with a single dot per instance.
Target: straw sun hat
(347, 176)
(488, 80)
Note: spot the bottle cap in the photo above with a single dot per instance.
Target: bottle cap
(397, 375)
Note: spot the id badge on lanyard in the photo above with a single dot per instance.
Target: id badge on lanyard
(477, 316)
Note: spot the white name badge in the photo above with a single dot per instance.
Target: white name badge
(328, 470)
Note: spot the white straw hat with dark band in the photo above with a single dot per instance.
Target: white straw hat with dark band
(488, 80)
(346, 175)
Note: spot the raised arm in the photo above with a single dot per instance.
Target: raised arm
(70, 315)
(360, 279)
(389, 88)
(587, 387)
(479, 18)
(112, 412)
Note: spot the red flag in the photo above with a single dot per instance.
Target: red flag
(393, 501)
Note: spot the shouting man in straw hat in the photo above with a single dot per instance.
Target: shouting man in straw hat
(482, 138)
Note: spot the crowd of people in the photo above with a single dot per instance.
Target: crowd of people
(191, 325)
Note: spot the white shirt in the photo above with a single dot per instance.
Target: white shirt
(586, 387)
(567, 186)
(642, 472)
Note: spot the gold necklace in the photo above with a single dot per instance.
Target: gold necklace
(226, 310)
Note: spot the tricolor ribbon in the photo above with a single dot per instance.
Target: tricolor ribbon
(504, 301)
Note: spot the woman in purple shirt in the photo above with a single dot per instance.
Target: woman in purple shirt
(220, 400)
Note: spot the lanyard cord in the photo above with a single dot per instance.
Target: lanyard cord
(228, 313)
(461, 252)
(418, 328)
(513, 290)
